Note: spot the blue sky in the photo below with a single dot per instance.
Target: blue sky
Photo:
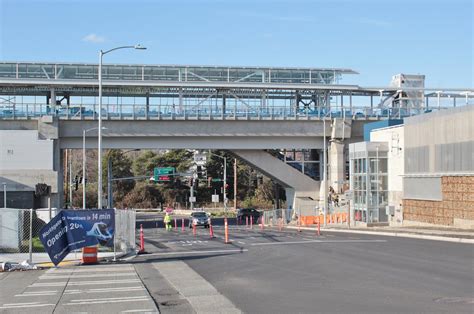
(376, 38)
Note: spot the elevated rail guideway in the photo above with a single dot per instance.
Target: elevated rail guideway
(169, 92)
(246, 110)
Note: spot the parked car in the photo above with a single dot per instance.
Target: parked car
(199, 219)
(243, 213)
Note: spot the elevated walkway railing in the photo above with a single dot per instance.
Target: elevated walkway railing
(174, 112)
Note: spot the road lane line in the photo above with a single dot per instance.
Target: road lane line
(139, 311)
(319, 241)
(195, 252)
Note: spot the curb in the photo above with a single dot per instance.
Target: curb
(77, 262)
(393, 234)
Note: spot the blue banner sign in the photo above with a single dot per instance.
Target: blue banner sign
(74, 229)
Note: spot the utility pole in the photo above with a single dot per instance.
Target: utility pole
(235, 183)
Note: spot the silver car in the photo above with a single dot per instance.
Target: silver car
(199, 219)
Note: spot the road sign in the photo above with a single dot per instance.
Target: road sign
(192, 199)
(164, 178)
(215, 198)
(216, 180)
(157, 172)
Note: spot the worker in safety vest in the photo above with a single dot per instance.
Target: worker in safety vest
(167, 221)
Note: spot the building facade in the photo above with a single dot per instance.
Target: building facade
(438, 184)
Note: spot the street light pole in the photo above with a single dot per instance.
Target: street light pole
(99, 152)
(84, 131)
(84, 169)
(324, 170)
(99, 140)
(4, 195)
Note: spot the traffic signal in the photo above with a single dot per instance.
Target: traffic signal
(226, 186)
(76, 183)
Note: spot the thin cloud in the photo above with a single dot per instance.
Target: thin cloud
(93, 38)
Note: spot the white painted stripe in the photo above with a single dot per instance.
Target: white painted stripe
(86, 269)
(26, 303)
(139, 311)
(319, 241)
(34, 294)
(101, 282)
(124, 289)
(81, 283)
(25, 306)
(42, 291)
(240, 242)
(44, 277)
(110, 301)
(48, 284)
(195, 252)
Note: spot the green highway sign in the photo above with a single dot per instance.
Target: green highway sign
(216, 180)
(160, 171)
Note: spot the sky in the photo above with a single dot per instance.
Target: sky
(377, 38)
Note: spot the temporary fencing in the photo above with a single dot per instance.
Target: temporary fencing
(20, 228)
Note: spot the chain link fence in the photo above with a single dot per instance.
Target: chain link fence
(20, 228)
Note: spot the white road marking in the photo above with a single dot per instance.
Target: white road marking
(240, 242)
(25, 303)
(29, 294)
(108, 300)
(88, 276)
(121, 289)
(82, 283)
(90, 270)
(139, 311)
(198, 252)
(319, 241)
(13, 306)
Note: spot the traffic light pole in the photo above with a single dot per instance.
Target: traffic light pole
(110, 200)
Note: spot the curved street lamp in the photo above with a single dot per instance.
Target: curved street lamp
(99, 148)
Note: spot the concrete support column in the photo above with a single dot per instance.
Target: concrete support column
(337, 165)
(53, 100)
(57, 195)
(290, 200)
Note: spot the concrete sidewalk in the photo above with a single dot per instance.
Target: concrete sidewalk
(427, 233)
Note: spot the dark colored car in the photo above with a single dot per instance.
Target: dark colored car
(243, 213)
(199, 219)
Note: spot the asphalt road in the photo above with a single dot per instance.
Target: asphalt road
(289, 272)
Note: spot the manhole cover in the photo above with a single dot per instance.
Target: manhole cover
(455, 300)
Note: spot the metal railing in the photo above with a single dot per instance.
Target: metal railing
(191, 112)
